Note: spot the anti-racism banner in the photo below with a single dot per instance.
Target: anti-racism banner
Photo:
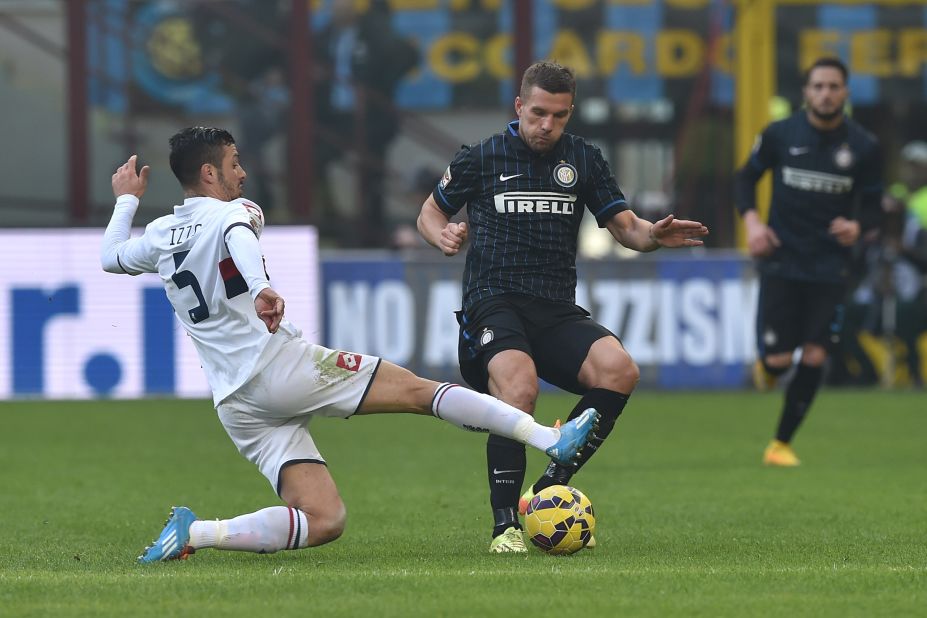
(687, 322)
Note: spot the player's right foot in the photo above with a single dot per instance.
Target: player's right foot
(762, 379)
(171, 544)
(512, 541)
(573, 437)
(780, 454)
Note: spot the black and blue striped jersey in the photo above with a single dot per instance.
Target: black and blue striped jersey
(524, 212)
(817, 176)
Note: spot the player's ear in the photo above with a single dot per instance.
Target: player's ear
(207, 173)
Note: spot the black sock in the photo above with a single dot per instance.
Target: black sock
(609, 405)
(505, 461)
(798, 397)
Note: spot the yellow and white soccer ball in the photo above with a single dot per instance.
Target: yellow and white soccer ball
(560, 520)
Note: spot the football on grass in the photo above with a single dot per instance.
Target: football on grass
(560, 520)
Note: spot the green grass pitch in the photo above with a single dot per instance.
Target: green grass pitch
(689, 522)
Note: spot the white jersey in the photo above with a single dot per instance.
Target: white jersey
(210, 297)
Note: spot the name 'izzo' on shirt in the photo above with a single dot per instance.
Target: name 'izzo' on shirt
(535, 202)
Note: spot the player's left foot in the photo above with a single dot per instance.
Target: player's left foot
(780, 454)
(171, 544)
(573, 437)
(512, 541)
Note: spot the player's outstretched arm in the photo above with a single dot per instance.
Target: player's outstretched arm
(438, 231)
(128, 187)
(641, 235)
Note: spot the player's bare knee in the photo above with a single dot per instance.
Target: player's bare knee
(813, 355)
(328, 529)
(620, 374)
(327, 525)
(778, 361)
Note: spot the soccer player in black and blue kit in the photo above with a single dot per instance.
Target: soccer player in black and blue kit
(827, 188)
(526, 190)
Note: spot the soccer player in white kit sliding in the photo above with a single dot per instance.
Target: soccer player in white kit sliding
(267, 381)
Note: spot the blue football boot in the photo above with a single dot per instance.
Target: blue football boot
(171, 544)
(573, 437)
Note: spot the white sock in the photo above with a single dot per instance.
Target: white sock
(264, 532)
(477, 412)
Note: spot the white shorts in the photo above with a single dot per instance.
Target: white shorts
(267, 418)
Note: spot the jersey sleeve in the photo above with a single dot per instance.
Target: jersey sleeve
(458, 185)
(120, 253)
(600, 191)
(244, 213)
(764, 153)
(762, 157)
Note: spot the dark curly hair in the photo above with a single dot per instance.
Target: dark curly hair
(194, 146)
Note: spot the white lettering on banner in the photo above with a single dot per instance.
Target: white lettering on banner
(347, 316)
(393, 319)
(666, 324)
(696, 321)
(736, 316)
(441, 329)
(699, 340)
(638, 335)
(378, 321)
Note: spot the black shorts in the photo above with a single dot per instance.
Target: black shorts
(556, 335)
(792, 312)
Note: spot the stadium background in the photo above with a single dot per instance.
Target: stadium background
(661, 89)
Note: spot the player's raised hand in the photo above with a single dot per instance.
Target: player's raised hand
(846, 231)
(672, 232)
(453, 236)
(269, 307)
(127, 180)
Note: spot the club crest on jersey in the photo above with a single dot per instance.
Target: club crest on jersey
(446, 178)
(565, 175)
(843, 158)
(348, 361)
(486, 337)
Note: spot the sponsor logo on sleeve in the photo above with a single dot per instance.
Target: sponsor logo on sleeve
(349, 361)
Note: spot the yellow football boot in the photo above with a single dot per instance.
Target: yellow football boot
(512, 541)
(780, 454)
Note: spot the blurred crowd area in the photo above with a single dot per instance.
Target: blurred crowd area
(387, 91)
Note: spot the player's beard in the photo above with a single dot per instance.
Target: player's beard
(827, 116)
(232, 190)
